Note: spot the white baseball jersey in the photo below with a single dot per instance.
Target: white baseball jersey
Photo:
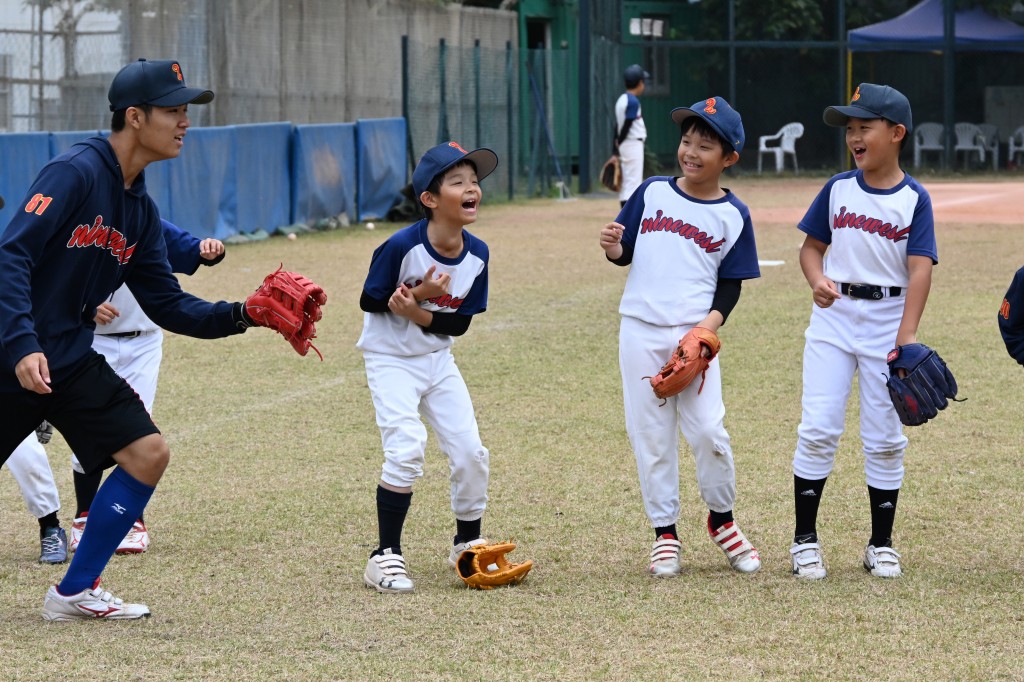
(404, 258)
(628, 106)
(681, 248)
(871, 231)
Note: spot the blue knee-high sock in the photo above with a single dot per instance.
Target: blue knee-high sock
(119, 501)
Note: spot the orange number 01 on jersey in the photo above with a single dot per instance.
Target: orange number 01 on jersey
(38, 204)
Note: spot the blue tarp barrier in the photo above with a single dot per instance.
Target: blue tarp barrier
(323, 171)
(264, 176)
(60, 142)
(21, 157)
(382, 165)
(202, 182)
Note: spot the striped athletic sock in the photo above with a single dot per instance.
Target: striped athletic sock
(119, 502)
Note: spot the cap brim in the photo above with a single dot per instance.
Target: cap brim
(484, 159)
(184, 96)
(838, 116)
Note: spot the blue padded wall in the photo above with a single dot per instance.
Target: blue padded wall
(382, 165)
(22, 155)
(202, 182)
(264, 176)
(323, 171)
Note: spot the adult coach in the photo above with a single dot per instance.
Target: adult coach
(630, 131)
(87, 226)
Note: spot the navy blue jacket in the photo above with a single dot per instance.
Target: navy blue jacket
(77, 237)
(1011, 318)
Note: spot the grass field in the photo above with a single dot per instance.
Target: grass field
(263, 522)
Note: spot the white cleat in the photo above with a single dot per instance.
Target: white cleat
(136, 541)
(90, 604)
(77, 528)
(386, 572)
(665, 557)
(883, 562)
(457, 549)
(742, 555)
(808, 562)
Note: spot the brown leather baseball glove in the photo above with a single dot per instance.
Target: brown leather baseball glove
(485, 566)
(688, 360)
(290, 304)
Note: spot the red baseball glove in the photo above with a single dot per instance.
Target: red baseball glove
(288, 303)
(687, 361)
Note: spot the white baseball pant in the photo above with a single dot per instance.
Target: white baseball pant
(851, 336)
(402, 389)
(631, 162)
(31, 469)
(654, 430)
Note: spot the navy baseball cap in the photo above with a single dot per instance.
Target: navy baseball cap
(442, 157)
(873, 101)
(634, 74)
(160, 83)
(725, 120)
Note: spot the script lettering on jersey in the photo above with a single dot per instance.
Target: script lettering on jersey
(663, 223)
(869, 225)
(103, 236)
(442, 301)
(1004, 310)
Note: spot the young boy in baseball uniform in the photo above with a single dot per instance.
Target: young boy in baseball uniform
(133, 347)
(689, 244)
(425, 284)
(867, 256)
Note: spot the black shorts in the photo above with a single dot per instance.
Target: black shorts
(95, 410)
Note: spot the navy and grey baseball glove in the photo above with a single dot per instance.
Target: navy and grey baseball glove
(924, 390)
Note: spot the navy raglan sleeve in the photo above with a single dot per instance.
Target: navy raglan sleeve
(161, 297)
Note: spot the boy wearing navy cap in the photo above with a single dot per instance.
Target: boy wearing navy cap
(867, 255)
(689, 243)
(424, 285)
(87, 226)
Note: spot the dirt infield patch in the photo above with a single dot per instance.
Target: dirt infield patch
(999, 203)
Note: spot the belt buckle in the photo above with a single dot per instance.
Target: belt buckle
(867, 291)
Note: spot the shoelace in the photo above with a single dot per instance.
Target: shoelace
(51, 544)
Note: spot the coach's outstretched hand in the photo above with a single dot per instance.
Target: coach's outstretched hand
(290, 304)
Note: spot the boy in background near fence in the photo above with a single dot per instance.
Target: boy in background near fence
(689, 244)
(867, 257)
(630, 131)
(425, 284)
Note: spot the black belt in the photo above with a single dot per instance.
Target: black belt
(124, 335)
(871, 292)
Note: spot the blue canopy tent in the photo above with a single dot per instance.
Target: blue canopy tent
(922, 27)
(936, 26)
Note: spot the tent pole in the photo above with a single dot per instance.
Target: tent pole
(949, 77)
(845, 74)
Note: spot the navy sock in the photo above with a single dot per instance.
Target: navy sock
(391, 510)
(718, 519)
(119, 502)
(48, 521)
(807, 497)
(883, 514)
(467, 530)
(666, 530)
(86, 486)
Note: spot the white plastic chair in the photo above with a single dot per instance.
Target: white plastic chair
(969, 140)
(927, 138)
(1015, 145)
(784, 144)
(990, 133)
